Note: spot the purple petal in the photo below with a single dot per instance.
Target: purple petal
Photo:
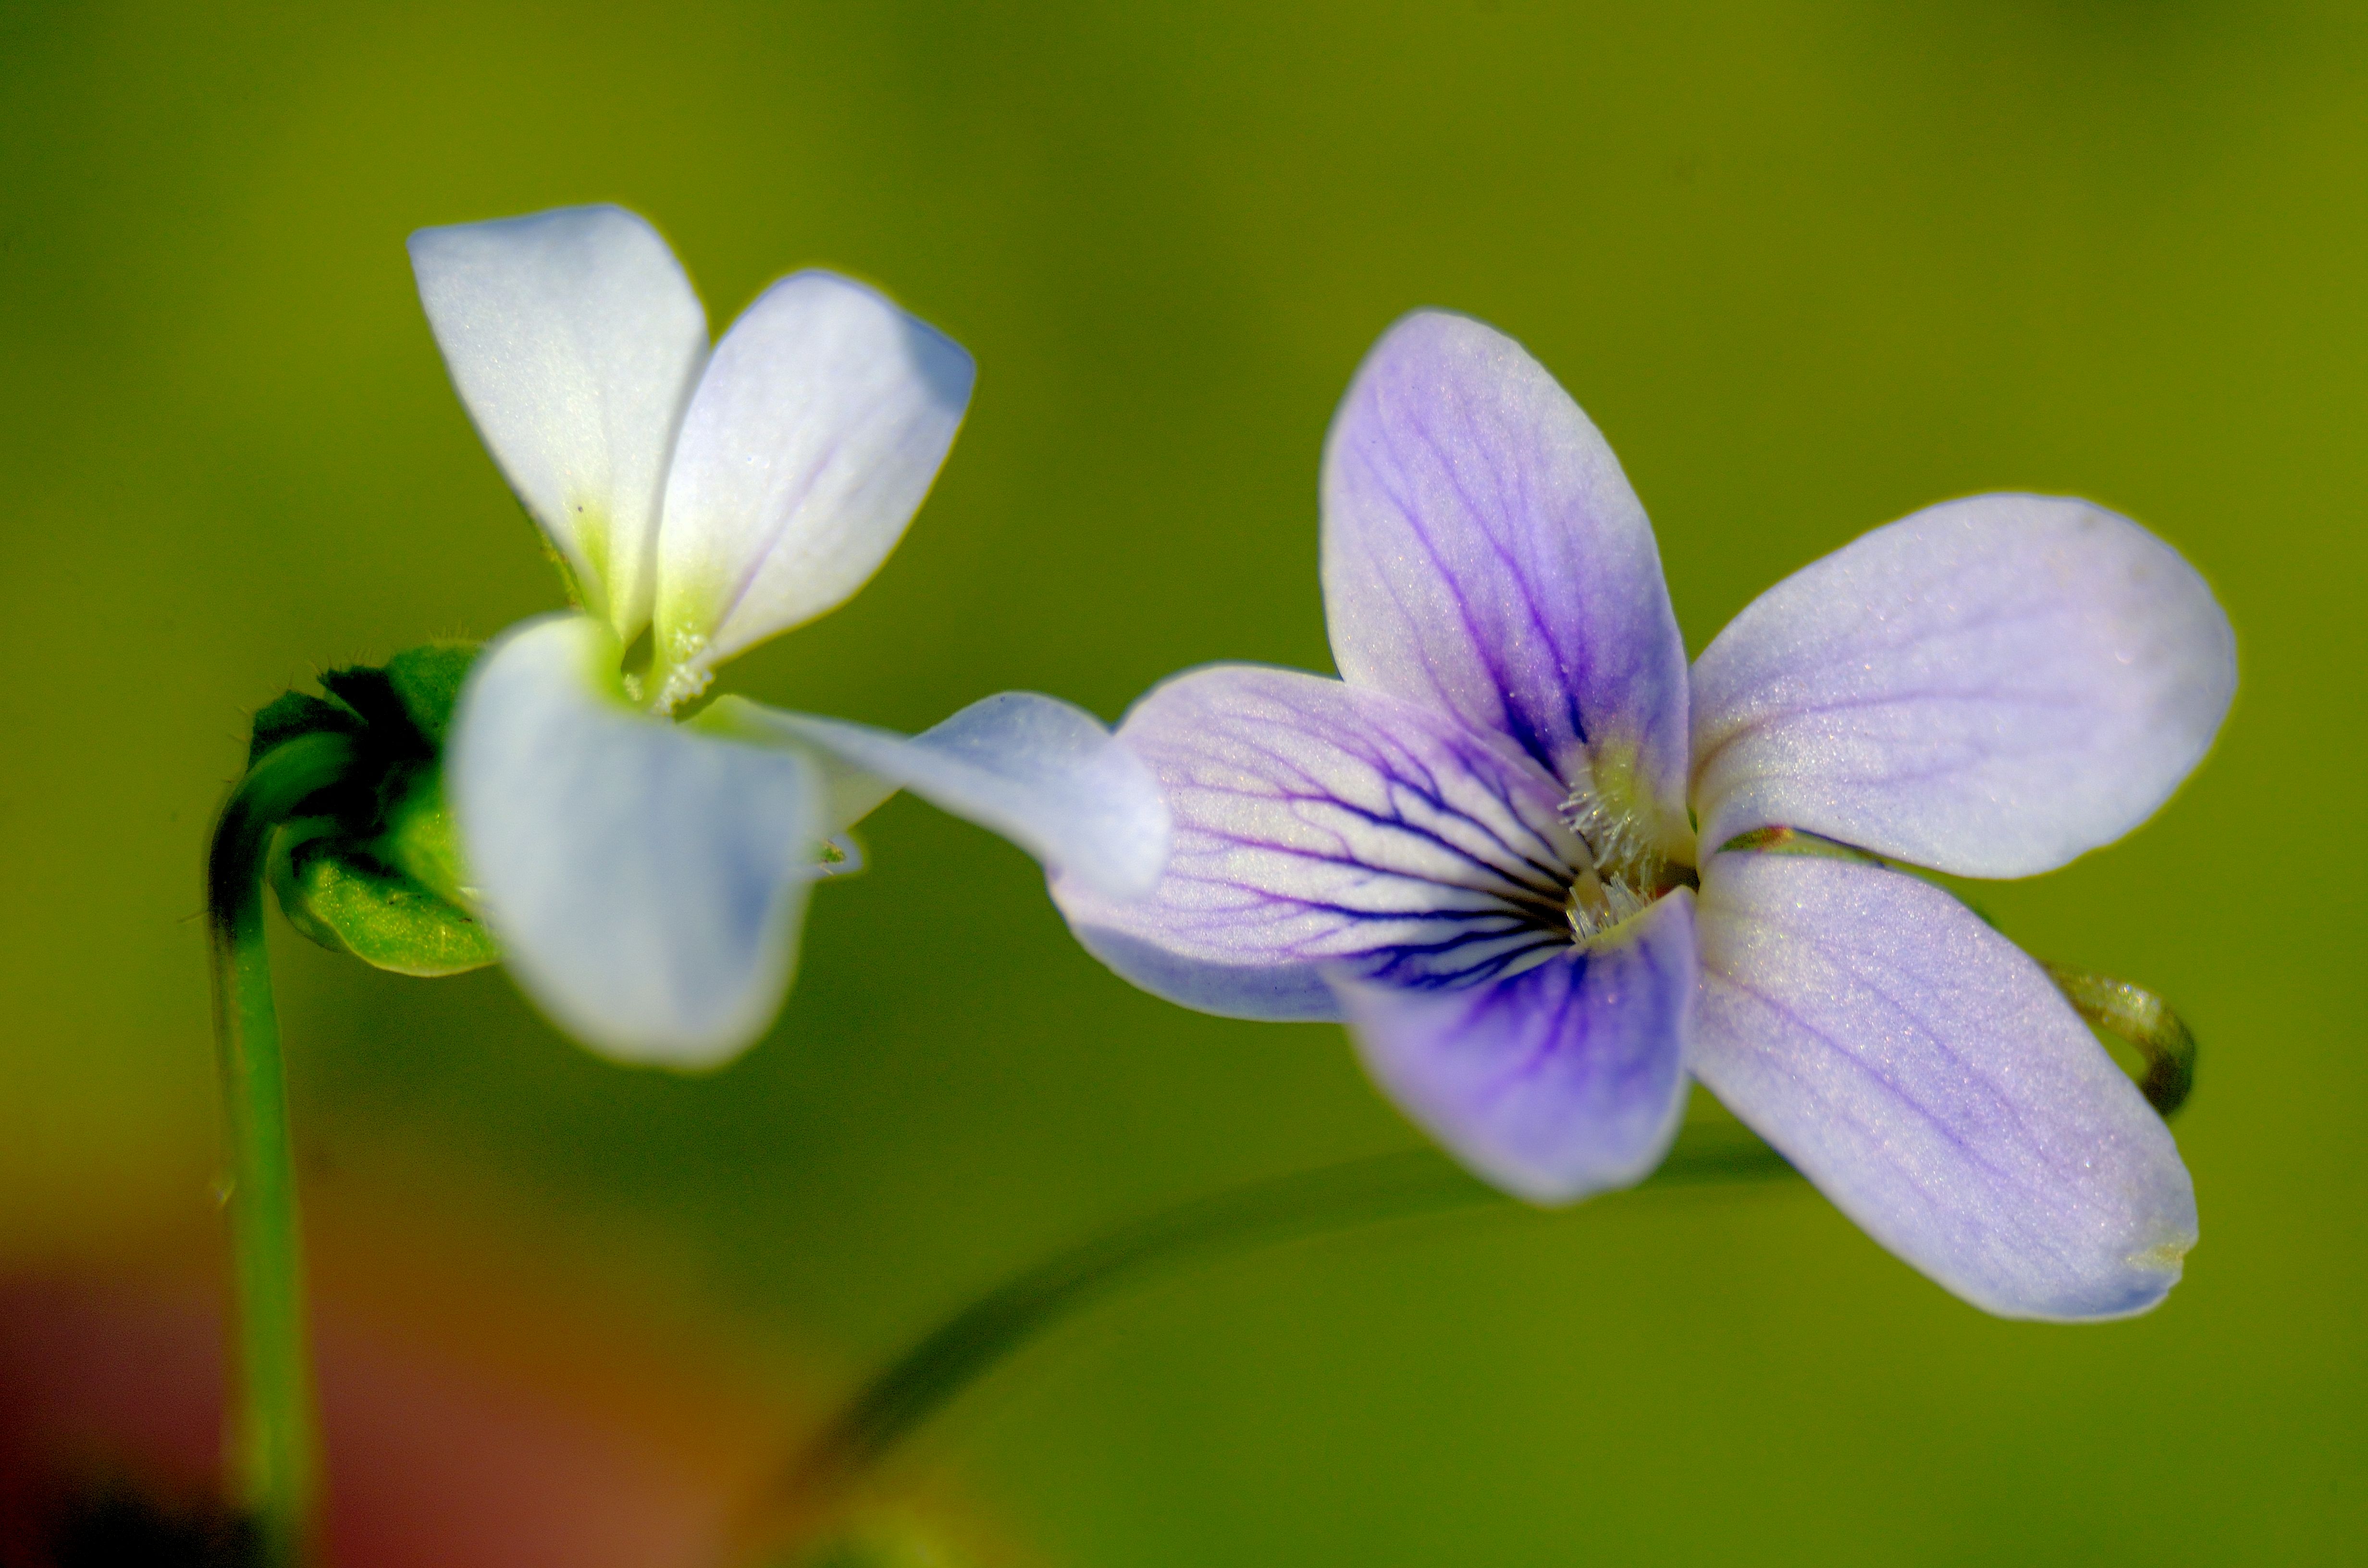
(1564, 1080)
(1931, 1080)
(1482, 554)
(1990, 687)
(1321, 827)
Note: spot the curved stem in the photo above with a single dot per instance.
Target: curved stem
(2134, 1014)
(972, 1343)
(274, 1441)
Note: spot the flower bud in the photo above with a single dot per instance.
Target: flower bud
(372, 864)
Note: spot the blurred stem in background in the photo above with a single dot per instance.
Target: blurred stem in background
(803, 1502)
(979, 1337)
(273, 1434)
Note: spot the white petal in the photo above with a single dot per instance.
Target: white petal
(1044, 774)
(813, 436)
(574, 339)
(646, 881)
(1990, 687)
(1931, 1081)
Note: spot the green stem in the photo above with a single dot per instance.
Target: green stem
(274, 1434)
(980, 1337)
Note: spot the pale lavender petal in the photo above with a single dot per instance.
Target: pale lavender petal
(1043, 773)
(1325, 828)
(1564, 1080)
(646, 881)
(1990, 687)
(1931, 1081)
(1484, 553)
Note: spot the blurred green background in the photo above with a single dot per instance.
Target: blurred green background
(1809, 266)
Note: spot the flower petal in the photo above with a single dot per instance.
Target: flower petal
(1564, 1080)
(1931, 1081)
(1990, 687)
(573, 339)
(1324, 828)
(646, 881)
(817, 428)
(1043, 773)
(1484, 553)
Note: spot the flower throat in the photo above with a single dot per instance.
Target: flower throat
(1622, 872)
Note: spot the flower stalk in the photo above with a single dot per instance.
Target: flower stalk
(980, 1337)
(273, 1434)
(2141, 1019)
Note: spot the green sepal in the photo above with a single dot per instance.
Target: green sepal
(295, 713)
(427, 681)
(374, 869)
(350, 904)
(420, 839)
(407, 702)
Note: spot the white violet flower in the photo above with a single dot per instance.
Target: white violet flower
(647, 878)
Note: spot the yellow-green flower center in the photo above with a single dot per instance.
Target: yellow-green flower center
(1625, 865)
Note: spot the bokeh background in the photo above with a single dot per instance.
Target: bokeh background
(1809, 266)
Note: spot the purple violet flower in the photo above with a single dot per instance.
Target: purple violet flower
(1503, 847)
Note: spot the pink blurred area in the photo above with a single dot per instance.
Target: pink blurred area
(443, 1448)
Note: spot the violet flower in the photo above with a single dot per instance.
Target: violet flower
(1513, 846)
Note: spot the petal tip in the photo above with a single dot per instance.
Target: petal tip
(692, 1053)
(943, 365)
(1928, 1077)
(1991, 687)
(1434, 326)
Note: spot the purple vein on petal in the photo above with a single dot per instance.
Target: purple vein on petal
(1559, 1080)
(1322, 826)
(1484, 554)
